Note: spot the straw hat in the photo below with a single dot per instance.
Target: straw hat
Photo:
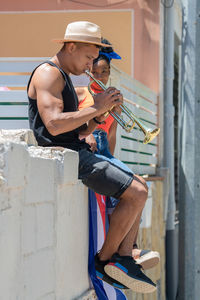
(82, 32)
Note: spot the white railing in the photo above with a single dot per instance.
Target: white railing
(142, 159)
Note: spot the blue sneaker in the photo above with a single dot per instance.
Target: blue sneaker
(125, 270)
(100, 273)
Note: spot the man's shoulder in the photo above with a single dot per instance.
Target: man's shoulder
(47, 76)
(47, 69)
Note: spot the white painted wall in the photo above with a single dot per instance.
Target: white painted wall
(43, 221)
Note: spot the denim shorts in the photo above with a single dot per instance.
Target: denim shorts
(103, 149)
(101, 175)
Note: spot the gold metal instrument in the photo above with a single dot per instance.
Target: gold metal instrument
(149, 133)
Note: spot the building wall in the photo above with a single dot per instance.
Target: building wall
(132, 26)
(34, 32)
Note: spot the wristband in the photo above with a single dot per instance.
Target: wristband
(96, 121)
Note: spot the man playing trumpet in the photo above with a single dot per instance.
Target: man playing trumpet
(56, 121)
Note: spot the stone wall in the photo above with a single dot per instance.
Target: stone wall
(43, 221)
(44, 224)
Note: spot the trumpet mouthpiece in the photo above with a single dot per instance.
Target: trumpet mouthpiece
(87, 72)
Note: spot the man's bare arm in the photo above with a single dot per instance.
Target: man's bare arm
(48, 84)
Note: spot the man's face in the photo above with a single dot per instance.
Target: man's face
(82, 57)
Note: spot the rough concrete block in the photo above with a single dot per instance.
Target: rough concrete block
(28, 229)
(15, 158)
(72, 224)
(40, 179)
(19, 136)
(45, 225)
(43, 215)
(4, 198)
(71, 161)
(39, 274)
(10, 251)
(66, 165)
(49, 296)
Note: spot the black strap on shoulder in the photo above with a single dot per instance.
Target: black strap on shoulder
(50, 63)
(54, 65)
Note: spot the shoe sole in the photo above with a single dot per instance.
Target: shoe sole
(149, 260)
(100, 276)
(135, 285)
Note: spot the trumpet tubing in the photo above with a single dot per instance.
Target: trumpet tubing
(149, 133)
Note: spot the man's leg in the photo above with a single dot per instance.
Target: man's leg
(126, 214)
(107, 179)
(119, 241)
(131, 237)
(127, 242)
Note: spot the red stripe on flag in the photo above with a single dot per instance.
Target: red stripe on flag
(101, 200)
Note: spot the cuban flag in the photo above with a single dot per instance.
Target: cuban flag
(98, 226)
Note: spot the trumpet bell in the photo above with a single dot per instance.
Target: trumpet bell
(150, 135)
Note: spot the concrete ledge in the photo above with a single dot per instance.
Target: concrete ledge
(43, 221)
(18, 136)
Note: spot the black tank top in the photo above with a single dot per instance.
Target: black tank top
(44, 138)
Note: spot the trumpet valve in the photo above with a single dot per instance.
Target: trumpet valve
(128, 127)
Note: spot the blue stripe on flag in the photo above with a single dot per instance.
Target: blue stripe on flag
(120, 295)
(98, 286)
(101, 293)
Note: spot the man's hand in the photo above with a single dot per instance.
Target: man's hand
(106, 100)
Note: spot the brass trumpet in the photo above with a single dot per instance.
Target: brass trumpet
(149, 133)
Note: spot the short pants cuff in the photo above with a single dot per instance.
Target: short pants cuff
(123, 188)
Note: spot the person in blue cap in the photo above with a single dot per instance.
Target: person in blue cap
(103, 140)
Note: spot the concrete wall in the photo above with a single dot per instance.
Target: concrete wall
(43, 217)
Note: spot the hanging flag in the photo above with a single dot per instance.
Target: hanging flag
(98, 226)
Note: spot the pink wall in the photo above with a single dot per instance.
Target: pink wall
(146, 28)
(147, 43)
(29, 5)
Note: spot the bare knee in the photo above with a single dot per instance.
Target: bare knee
(142, 180)
(141, 194)
(137, 192)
